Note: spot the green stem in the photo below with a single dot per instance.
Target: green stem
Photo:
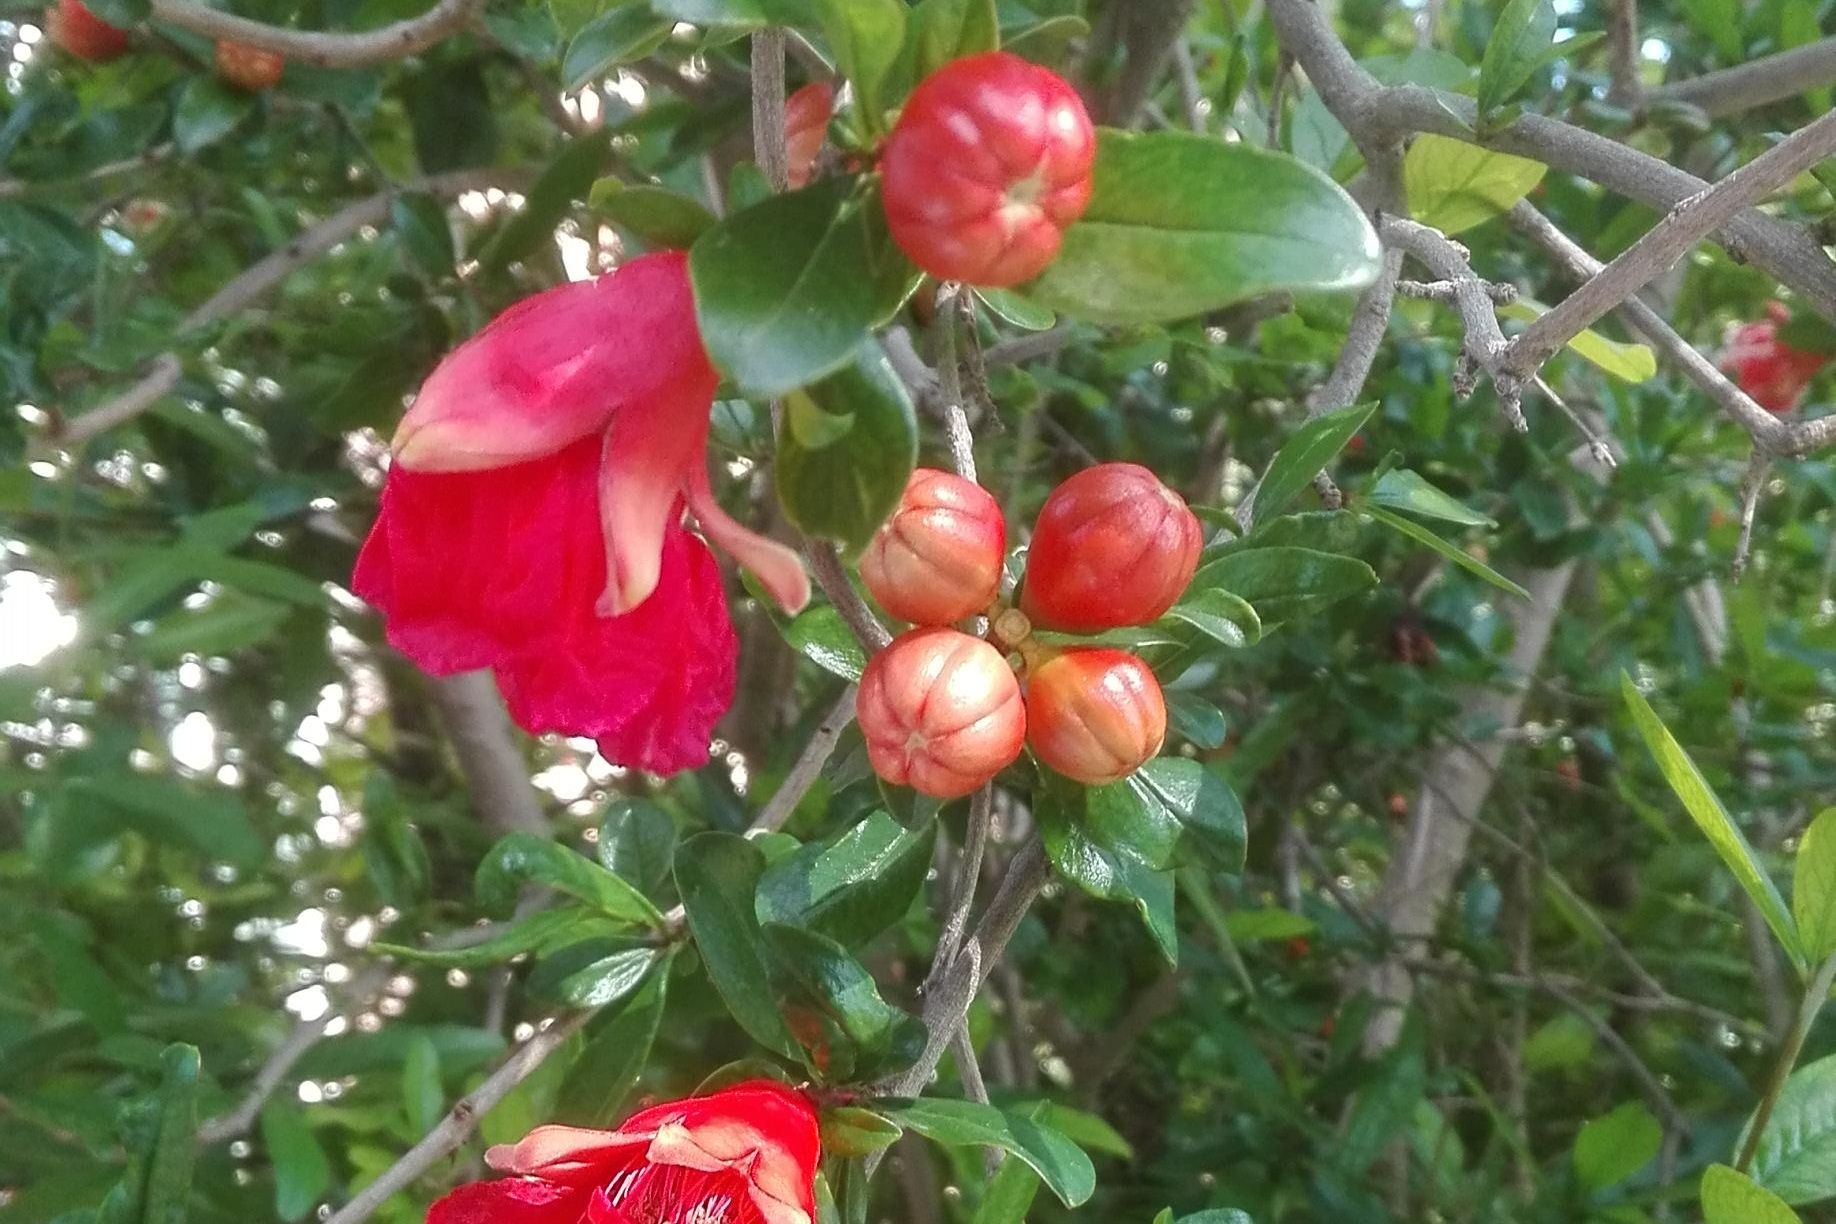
(1814, 999)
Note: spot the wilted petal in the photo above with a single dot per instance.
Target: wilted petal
(557, 367)
(513, 1200)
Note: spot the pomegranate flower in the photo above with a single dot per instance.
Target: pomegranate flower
(743, 1155)
(1769, 370)
(532, 520)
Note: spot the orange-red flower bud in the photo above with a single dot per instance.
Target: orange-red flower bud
(1113, 546)
(940, 711)
(247, 67)
(83, 34)
(1094, 714)
(806, 122)
(938, 558)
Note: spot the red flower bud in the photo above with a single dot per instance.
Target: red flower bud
(806, 122)
(743, 1155)
(938, 558)
(83, 34)
(941, 712)
(247, 67)
(1113, 546)
(1769, 370)
(989, 162)
(1094, 714)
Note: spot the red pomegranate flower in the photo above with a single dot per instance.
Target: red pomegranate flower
(1771, 371)
(532, 521)
(743, 1155)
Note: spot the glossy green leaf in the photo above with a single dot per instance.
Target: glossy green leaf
(854, 886)
(788, 289)
(1796, 1157)
(1612, 1148)
(207, 111)
(1009, 1195)
(566, 180)
(850, 1131)
(1633, 363)
(1112, 873)
(1283, 582)
(1014, 308)
(174, 1151)
(945, 30)
(1060, 1163)
(836, 985)
(1388, 1094)
(1813, 887)
(847, 449)
(1713, 819)
(1730, 1197)
(1305, 455)
(1200, 804)
(617, 1047)
(423, 1093)
(540, 932)
(524, 858)
(717, 875)
(1179, 224)
(1218, 614)
(1402, 489)
(637, 841)
(210, 822)
(1520, 40)
(1453, 185)
(1453, 552)
(302, 1172)
(662, 219)
(1257, 925)
(617, 36)
(608, 979)
(230, 622)
(867, 37)
(419, 221)
(1198, 720)
(820, 635)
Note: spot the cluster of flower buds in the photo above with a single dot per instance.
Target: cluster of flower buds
(941, 709)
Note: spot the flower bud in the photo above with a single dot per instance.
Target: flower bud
(1773, 373)
(83, 34)
(1113, 546)
(940, 711)
(937, 560)
(806, 122)
(1094, 714)
(250, 68)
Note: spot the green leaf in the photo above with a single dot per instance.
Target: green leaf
(1633, 363)
(1713, 819)
(1453, 552)
(1731, 1197)
(1179, 224)
(820, 635)
(788, 289)
(1612, 1148)
(1200, 722)
(1048, 41)
(1112, 873)
(302, 1172)
(661, 218)
(207, 111)
(1283, 582)
(1200, 804)
(228, 623)
(637, 839)
(419, 222)
(1813, 887)
(617, 1047)
(848, 447)
(850, 1131)
(1258, 925)
(541, 932)
(1305, 455)
(1060, 1163)
(1719, 21)
(524, 858)
(211, 822)
(423, 1093)
(1796, 1157)
(1022, 312)
(854, 886)
(1402, 489)
(1009, 1195)
(1453, 185)
(567, 179)
(1219, 615)
(718, 877)
(836, 985)
(1387, 1097)
(1520, 40)
(123, 13)
(174, 1152)
(945, 30)
(866, 36)
(608, 979)
(618, 36)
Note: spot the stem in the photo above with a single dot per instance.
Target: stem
(1814, 999)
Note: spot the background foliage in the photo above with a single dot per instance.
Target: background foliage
(221, 794)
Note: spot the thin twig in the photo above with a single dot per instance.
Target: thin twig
(808, 766)
(768, 107)
(968, 872)
(1759, 467)
(325, 50)
(826, 569)
(1758, 82)
(454, 1129)
(236, 1123)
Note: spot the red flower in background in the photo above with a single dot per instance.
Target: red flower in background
(532, 520)
(743, 1155)
(1766, 368)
